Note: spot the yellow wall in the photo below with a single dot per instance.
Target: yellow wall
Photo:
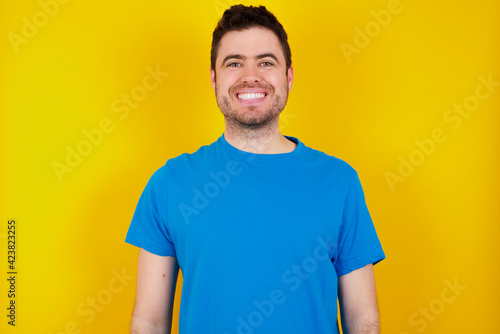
(373, 100)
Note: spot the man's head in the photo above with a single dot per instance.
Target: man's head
(251, 69)
(239, 18)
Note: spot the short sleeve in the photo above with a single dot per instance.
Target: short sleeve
(148, 229)
(358, 243)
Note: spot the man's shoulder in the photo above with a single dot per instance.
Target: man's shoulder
(201, 156)
(327, 161)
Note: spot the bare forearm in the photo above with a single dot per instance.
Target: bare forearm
(363, 325)
(358, 302)
(156, 281)
(142, 326)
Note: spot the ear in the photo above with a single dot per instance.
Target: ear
(212, 77)
(290, 78)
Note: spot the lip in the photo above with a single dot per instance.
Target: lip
(251, 90)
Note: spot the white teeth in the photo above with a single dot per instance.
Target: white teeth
(249, 96)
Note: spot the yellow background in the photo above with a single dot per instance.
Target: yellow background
(440, 224)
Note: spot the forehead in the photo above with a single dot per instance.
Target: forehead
(249, 42)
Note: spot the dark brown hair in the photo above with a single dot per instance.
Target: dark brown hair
(240, 17)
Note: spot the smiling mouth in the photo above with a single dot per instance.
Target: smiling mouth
(250, 96)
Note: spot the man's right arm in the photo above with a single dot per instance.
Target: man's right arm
(156, 280)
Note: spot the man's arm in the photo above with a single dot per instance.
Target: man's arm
(358, 302)
(156, 279)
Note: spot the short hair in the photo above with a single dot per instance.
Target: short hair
(240, 17)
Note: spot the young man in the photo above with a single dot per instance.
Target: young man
(268, 232)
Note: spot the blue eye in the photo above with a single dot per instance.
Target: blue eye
(234, 64)
(267, 63)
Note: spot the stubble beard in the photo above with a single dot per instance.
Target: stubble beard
(250, 119)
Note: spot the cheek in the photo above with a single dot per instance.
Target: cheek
(224, 83)
(279, 80)
(222, 89)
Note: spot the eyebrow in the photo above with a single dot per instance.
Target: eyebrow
(238, 56)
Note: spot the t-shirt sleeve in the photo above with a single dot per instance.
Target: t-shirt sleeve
(148, 229)
(358, 243)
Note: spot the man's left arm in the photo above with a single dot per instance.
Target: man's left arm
(358, 302)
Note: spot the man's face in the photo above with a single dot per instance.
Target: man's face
(252, 84)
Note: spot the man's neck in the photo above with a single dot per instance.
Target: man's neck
(263, 140)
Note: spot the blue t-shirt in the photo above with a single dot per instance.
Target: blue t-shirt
(261, 239)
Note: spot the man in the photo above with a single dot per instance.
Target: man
(267, 231)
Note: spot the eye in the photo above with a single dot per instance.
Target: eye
(233, 64)
(266, 63)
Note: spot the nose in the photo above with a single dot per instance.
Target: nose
(251, 74)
